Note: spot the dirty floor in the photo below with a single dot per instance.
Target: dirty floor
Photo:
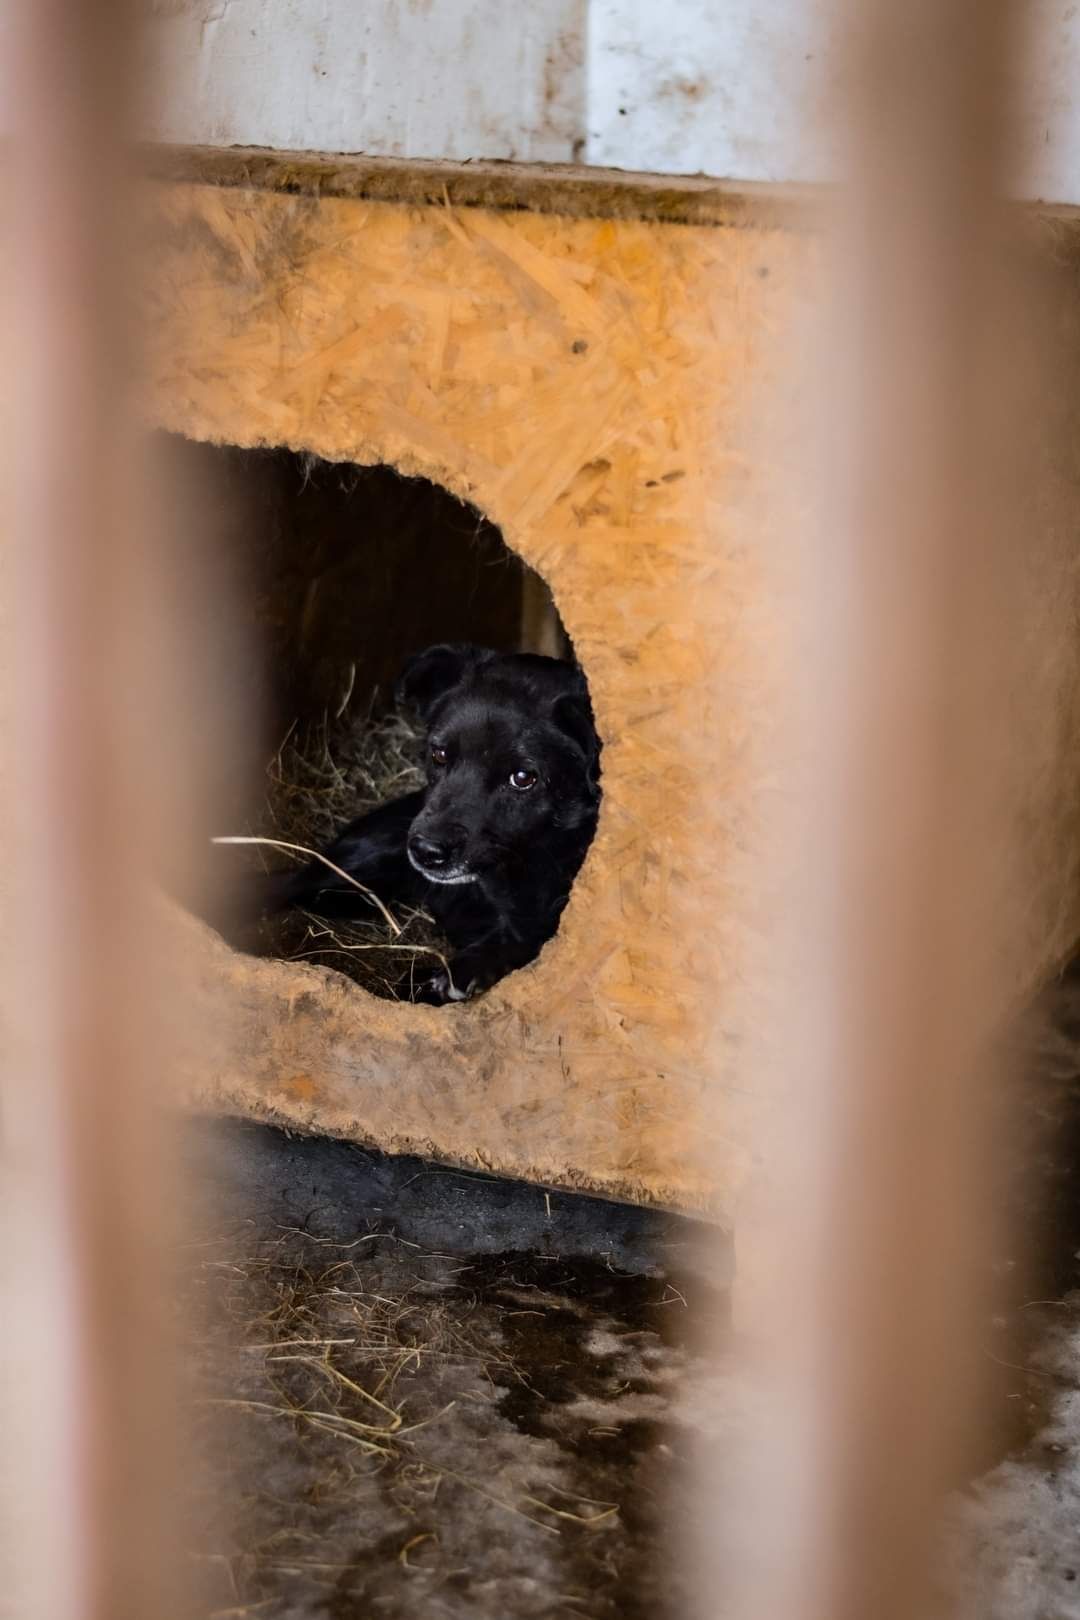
(1015, 1529)
(420, 1392)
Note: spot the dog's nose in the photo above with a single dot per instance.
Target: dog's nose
(431, 852)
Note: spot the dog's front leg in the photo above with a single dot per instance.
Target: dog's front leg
(436, 989)
(467, 974)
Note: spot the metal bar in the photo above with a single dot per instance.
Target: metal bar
(892, 946)
(87, 1439)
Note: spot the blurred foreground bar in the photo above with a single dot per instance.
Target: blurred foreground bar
(936, 643)
(86, 1430)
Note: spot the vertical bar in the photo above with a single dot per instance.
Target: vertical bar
(86, 1432)
(897, 857)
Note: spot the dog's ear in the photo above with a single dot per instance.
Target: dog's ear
(431, 674)
(572, 713)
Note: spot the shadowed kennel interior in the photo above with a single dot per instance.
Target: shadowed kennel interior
(351, 569)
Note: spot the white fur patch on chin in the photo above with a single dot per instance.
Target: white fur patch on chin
(443, 877)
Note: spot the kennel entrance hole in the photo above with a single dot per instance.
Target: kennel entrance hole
(340, 573)
(351, 569)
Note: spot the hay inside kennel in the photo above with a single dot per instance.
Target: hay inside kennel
(322, 777)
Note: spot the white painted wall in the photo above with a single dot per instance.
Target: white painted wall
(729, 88)
(743, 89)
(401, 78)
(1048, 144)
(732, 88)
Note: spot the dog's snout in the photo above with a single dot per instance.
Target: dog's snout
(435, 852)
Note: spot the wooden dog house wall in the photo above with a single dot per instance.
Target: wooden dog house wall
(576, 364)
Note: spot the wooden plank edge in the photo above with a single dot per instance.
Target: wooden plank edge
(570, 190)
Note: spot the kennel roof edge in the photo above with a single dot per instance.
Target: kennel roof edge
(572, 190)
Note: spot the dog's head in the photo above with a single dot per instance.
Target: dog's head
(513, 760)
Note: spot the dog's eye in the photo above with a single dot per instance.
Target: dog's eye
(523, 780)
(439, 756)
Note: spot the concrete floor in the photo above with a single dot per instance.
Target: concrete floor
(420, 1392)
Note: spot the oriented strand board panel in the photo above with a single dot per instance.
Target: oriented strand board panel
(584, 382)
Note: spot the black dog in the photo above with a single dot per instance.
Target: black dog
(494, 841)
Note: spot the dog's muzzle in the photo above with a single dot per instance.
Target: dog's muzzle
(438, 860)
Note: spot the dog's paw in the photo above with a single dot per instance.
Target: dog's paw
(437, 989)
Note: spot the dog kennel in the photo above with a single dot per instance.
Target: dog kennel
(573, 361)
